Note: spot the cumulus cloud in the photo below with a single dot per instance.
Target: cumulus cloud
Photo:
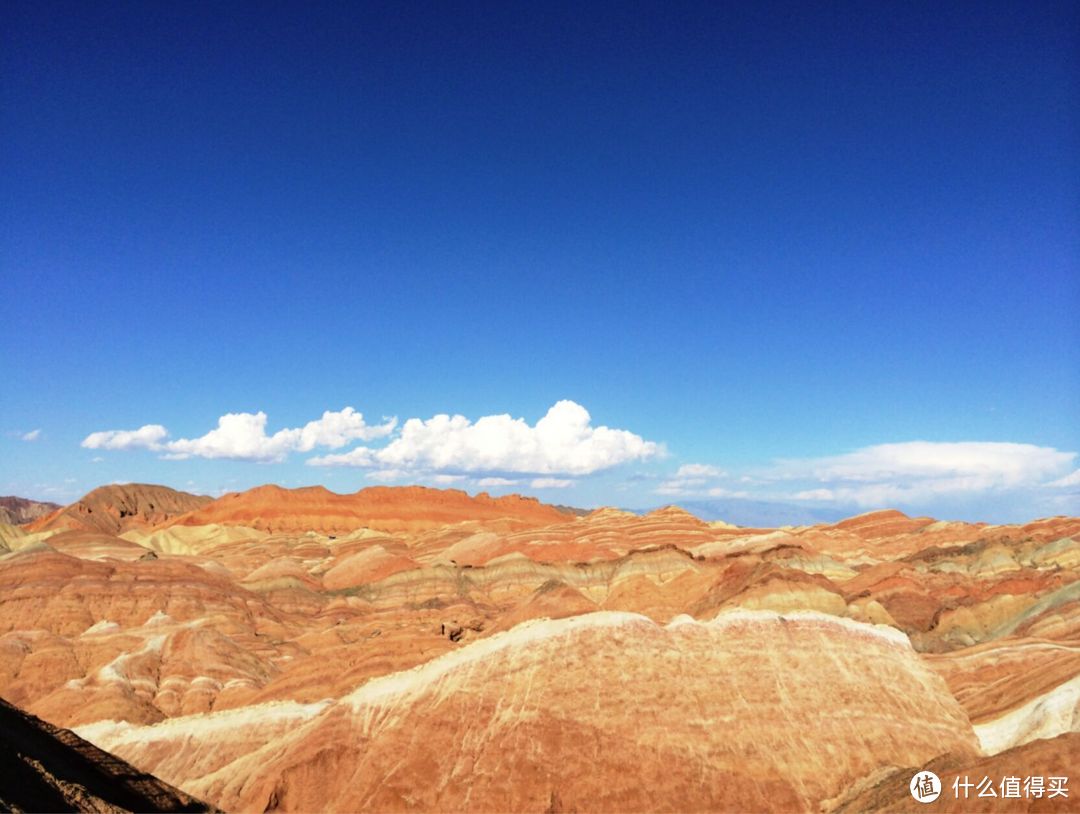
(563, 442)
(33, 435)
(918, 470)
(335, 430)
(699, 471)
(243, 436)
(691, 479)
(148, 436)
(361, 457)
(445, 449)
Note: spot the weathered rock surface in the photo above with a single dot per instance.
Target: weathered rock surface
(605, 711)
(296, 599)
(1009, 773)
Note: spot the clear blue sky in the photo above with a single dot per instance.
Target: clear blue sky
(763, 237)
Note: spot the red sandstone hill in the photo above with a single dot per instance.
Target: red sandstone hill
(753, 711)
(117, 508)
(409, 667)
(386, 508)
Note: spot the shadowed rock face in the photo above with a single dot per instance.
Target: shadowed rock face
(43, 768)
(313, 596)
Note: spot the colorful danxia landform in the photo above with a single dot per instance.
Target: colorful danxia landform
(415, 649)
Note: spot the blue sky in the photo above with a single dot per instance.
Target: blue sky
(824, 254)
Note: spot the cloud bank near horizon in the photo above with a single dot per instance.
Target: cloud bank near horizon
(904, 474)
(564, 447)
(918, 470)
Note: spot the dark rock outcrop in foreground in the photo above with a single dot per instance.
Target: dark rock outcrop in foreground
(45, 768)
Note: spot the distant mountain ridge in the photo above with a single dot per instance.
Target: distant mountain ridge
(757, 513)
(120, 508)
(387, 508)
(117, 508)
(18, 510)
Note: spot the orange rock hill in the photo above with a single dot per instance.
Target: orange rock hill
(307, 622)
(117, 508)
(401, 509)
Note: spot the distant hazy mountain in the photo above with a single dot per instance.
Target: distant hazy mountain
(17, 510)
(760, 513)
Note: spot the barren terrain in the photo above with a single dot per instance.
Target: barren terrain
(420, 649)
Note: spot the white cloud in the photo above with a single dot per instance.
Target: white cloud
(550, 483)
(361, 456)
(563, 442)
(815, 494)
(917, 471)
(386, 474)
(148, 436)
(691, 479)
(33, 435)
(447, 479)
(335, 430)
(672, 488)
(977, 478)
(242, 436)
(699, 471)
(1002, 463)
(53, 490)
(496, 482)
(720, 491)
(1072, 479)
